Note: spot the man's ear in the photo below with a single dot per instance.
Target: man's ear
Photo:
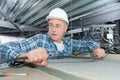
(66, 27)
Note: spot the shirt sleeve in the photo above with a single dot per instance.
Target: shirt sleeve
(13, 49)
(84, 46)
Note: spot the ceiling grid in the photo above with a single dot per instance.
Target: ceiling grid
(30, 15)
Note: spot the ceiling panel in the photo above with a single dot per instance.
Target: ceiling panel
(27, 16)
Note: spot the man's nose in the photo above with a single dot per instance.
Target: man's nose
(54, 28)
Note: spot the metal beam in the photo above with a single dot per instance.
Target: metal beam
(37, 8)
(46, 10)
(76, 30)
(99, 3)
(6, 24)
(8, 19)
(105, 17)
(26, 30)
(105, 9)
(68, 9)
(23, 9)
(102, 9)
(90, 6)
(78, 4)
(39, 22)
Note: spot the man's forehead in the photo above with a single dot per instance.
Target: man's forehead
(52, 20)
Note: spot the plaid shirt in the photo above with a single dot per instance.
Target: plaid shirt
(13, 49)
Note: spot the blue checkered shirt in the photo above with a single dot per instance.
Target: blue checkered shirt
(12, 49)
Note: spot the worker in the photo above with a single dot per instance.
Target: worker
(41, 46)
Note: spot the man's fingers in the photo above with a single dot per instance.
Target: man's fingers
(45, 54)
(37, 56)
(99, 53)
(43, 63)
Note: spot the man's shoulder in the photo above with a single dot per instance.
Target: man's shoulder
(67, 39)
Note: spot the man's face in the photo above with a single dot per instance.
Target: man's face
(57, 28)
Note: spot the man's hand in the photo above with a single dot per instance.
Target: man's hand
(99, 53)
(37, 56)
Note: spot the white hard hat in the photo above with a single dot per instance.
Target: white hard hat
(58, 13)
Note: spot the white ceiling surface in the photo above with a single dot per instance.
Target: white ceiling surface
(4, 39)
(30, 15)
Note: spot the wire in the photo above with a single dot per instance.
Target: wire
(54, 59)
(10, 60)
(67, 59)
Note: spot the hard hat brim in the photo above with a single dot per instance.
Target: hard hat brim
(52, 17)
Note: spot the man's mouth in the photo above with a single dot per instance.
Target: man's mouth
(54, 34)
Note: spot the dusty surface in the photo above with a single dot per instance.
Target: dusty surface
(103, 69)
(71, 69)
(33, 74)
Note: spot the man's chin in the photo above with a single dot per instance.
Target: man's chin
(54, 40)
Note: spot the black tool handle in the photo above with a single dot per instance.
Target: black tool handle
(14, 59)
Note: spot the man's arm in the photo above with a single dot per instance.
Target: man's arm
(30, 47)
(84, 46)
(81, 46)
(13, 49)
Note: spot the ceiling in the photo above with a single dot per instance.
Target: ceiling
(28, 17)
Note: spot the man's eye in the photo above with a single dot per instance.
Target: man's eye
(58, 26)
(50, 25)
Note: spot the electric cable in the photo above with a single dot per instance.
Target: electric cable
(67, 59)
(13, 59)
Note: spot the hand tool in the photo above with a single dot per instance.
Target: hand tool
(5, 74)
(14, 59)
